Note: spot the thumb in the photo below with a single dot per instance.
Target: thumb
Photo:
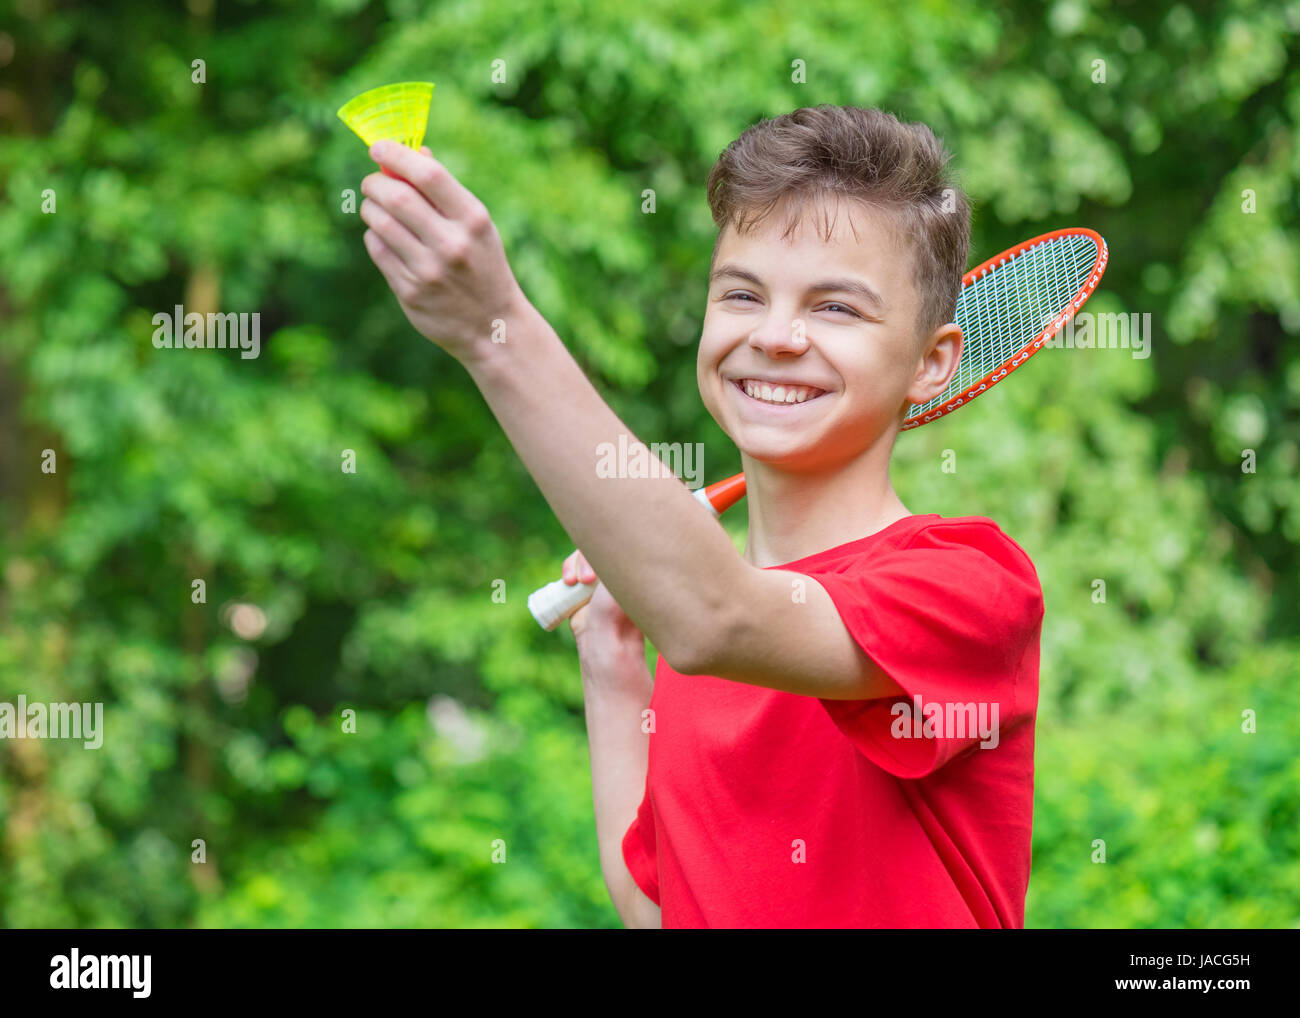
(578, 620)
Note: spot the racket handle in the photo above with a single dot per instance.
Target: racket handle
(556, 601)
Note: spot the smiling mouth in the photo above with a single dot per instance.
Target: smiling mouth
(777, 395)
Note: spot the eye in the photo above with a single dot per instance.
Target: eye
(846, 310)
(738, 293)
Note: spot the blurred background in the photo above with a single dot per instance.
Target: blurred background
(223, 186)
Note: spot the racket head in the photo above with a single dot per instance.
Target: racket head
(1010, 306)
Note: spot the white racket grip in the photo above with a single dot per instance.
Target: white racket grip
(556, 601)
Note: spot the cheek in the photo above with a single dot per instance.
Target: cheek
(708, 354)
(704, 367)
(876, 375)
(708, 381)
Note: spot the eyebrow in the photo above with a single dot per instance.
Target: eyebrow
(853, 286)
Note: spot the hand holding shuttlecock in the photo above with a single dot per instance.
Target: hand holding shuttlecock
(441, 256)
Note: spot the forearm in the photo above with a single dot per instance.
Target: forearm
(665, 561)
(616, 691)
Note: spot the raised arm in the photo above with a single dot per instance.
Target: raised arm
(668, 564)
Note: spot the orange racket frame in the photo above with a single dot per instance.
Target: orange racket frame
(1029, 349)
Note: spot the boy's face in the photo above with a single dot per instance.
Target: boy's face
(833, 322)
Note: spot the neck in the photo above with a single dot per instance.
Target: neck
(793, 515)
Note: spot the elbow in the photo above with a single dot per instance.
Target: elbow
(701, 649)
(712, 624)
(688, 660)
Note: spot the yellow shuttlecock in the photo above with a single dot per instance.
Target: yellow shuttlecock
(397, 112)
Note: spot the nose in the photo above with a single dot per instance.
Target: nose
(778, 335)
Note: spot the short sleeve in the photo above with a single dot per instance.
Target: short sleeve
(639, 851)
(949, 617)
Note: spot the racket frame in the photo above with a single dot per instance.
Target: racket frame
(1033, 346)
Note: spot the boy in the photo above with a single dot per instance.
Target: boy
(841, 719)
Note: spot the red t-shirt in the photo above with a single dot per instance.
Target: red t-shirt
(770, 809)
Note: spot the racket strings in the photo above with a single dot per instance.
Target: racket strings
(1004, 310)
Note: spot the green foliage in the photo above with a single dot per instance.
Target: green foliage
(376, 586)
(1200, 817)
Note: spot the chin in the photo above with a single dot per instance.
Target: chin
(790, 456)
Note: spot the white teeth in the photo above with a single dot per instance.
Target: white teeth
(780, 395)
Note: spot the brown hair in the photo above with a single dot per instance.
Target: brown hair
(891, 167)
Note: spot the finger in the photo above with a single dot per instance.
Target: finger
(585, 573)
(388, 263)
(410, 208)
(567, 572)
(447, 194)
(405, 245)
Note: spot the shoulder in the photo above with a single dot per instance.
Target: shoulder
(971, 558)
(976, 533)
(975, 555)
(929, 550)
(942, 591)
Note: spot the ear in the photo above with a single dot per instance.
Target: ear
(937, 364)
